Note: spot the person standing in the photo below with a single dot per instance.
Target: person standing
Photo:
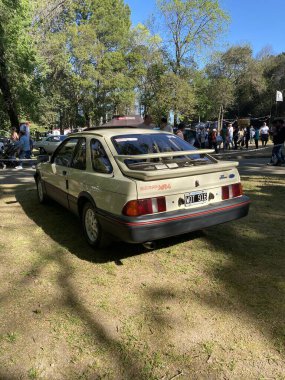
(180, 130)
(230, 136)
(147, 123)
(23, 149)
(256, 138)
(24, 127)
(252, 133)
(14, 142)
(213, 140)
(202, 138)
(246, 136)
(224, 133)
(264, 134)
(164, 126)
(14, 137)
(277, 157)
(241, 138)
(210, 135)
(236, 136)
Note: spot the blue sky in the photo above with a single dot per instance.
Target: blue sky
(257, 22)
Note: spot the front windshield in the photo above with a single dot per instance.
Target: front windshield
(132, 145)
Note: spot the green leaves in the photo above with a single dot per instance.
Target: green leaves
(19, 60)
(188, 26)
(75, 62)
(85, 45)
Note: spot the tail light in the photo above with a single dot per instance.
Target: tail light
(225, 192)
(144, 206)
(237, 190)
(231, 191)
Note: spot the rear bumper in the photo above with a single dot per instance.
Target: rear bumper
(154, 227)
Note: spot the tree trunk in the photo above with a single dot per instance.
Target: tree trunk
(87, 120)
(61, 121)
(9, 104)
(220, 118)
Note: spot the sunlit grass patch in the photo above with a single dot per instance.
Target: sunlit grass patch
(209, 304)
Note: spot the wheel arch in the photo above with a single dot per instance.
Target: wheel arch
(37, 177)
(82, 199)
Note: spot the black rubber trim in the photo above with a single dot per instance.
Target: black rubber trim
(154, 227)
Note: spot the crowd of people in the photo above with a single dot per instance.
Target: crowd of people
(236, 137)
(231, 136)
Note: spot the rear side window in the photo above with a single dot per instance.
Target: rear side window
(100, 160)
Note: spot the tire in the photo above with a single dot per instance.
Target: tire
(43, 151)
(92, 229)
(42, 197)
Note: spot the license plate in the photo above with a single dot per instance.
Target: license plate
(195, 197)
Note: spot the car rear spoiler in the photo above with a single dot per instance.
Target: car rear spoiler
(163, 154)
(152, 175)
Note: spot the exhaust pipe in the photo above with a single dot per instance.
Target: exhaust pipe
(150, 245)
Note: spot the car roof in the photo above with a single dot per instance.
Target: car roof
(124, 121)
(119, 131)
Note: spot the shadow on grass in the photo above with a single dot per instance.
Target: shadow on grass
(253, 275)
(127, 357)
(254, 272)
(13, 178)
(64, 228)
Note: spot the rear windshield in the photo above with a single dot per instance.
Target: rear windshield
(132, 145)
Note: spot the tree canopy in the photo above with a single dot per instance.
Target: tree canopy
(74, 63)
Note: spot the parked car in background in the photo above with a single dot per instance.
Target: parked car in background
(140, 185)
(49, 144)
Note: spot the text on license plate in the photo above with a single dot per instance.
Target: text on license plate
(195, 197)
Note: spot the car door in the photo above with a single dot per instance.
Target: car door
(56, 177)
(76, 176)
(91, 172)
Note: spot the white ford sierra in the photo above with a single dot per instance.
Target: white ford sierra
(140, 185)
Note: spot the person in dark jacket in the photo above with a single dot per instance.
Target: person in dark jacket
(256, 138)
(278, 135)
(246, 136)
(236, 136)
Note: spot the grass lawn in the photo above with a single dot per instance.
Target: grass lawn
(207, 305)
